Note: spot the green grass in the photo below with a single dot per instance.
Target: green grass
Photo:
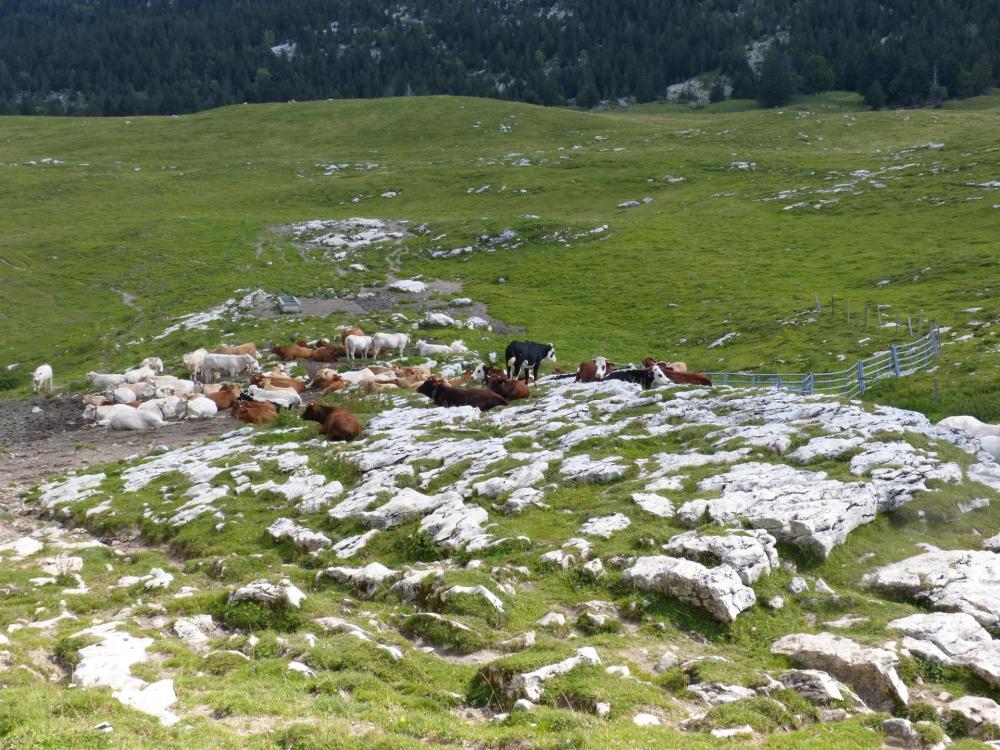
(172, 210)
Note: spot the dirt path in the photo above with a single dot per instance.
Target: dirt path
(37, 445)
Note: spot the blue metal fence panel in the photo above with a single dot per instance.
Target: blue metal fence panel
(900, 360)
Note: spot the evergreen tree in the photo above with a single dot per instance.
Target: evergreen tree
(817, 75)
(982, 76)
(775, 87)
(875, 98)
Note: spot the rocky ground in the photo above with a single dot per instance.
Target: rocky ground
(597, 566)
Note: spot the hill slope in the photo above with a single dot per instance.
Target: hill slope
(114, 228)
(633, 567)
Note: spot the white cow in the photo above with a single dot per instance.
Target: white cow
(355, 344)
(121, 395)
(971, 425)
(602, 367)
(226, 365)
(101, 414)
(200, 407)
(458, 347)
(103, 380)
(659, 378)
(991, 444)
(42, 378)
(283, 397)
(427, 350)
(137, 374)
(167, 385)
(193, 360)
(169, 407)
(153, 363)
(357, 376)
(133, 419)
(139, 391)
(390, 341)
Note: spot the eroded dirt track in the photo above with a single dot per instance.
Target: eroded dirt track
(37, 445)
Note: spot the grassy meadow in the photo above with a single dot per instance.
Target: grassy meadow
(178, 212)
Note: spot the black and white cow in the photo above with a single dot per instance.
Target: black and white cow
(651, 378)
(527, 354)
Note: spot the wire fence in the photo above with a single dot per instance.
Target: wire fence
(902, 359)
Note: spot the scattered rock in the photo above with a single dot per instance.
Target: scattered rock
(719, 591)
(869, 671)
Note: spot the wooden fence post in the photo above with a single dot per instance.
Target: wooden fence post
(861, 375)
(894, 351)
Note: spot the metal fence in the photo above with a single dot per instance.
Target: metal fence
(901, 359)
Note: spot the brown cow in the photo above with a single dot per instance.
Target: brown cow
(247, 348)
(335, 423)
(423, 373)
(275, 381)
(328, 353)
(350, 332)
(292, 351)
(677, 372)
(687, 377)
(226, 396)
(444, 395)
(255, 412)
(373, 386)
(594, 371)
(676, 366)
(464, 379)
(512, 390)
(324, 378)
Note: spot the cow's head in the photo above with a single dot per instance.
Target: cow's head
(659, 378)
(479, 374)
(551, 353)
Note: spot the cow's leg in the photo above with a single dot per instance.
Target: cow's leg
(537, 365)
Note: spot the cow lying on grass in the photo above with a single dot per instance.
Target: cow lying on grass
(335, 423)
(443, 394)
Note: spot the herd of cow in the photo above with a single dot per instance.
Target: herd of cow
(143, 397)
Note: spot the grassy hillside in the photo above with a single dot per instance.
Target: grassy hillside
(177, 212)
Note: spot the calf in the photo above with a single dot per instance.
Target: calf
(335, 423)
(512, 390)
(42, 378)
(527, 354)
(444, 395)
(254, 412)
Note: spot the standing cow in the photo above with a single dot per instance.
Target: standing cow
(527, 354)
